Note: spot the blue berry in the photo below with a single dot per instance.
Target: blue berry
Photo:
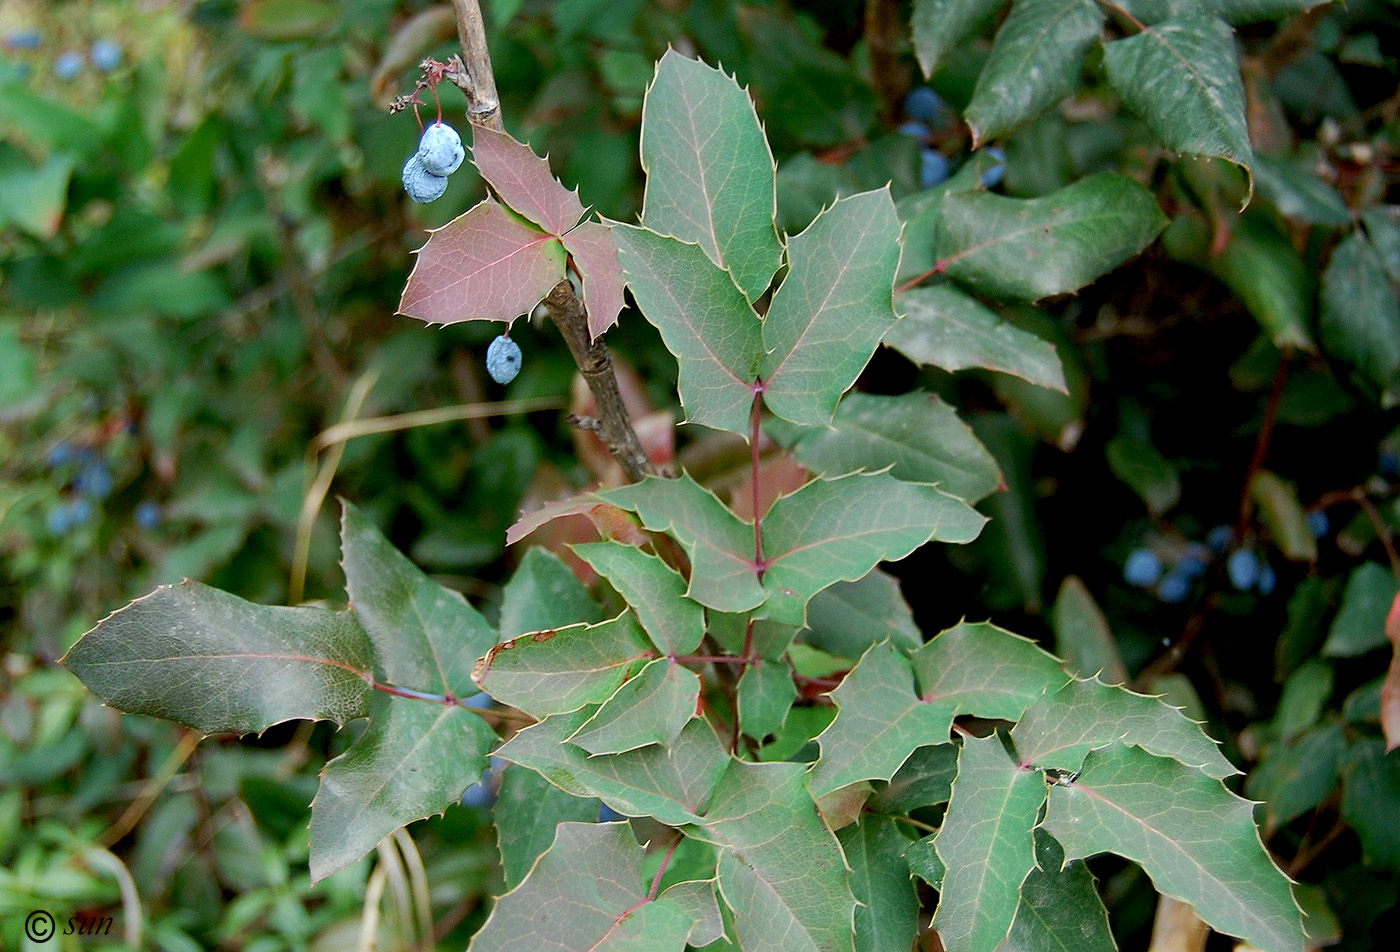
(80, 510)
(1390, 465)
(478, 795)
(1220, 538)
(933, 168)
(422, 186)
(441, 149)
(68, 65)
(106, 55)
(992, 177)
(923, 103)
(1267, 580)
(26, 39)
(1318, 523)
(147, 514)
(59, 453)
(1142, 569)
(503, 359)
(1191, 567)
(481, 701)
(1174, 588)
(607, 814)
(60, 519)
(914, 129)
(94, 479)
(1243, 569)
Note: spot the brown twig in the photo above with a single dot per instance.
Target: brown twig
(474, 76)
(883, 30)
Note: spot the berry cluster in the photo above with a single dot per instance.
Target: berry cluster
(439, 154)
(927, 113)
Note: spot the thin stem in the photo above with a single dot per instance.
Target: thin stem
(450, 700)
(711, 659)
(1379, 524)
(483, 102)
(759, 566)
(1266, 433)
(665, 861)
(917, 824)
(1142, 27)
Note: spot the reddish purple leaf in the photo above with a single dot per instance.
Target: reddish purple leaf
(594, 252)
(484, 265)
(524, 182)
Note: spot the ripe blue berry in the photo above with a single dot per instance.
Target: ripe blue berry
(993, 176)
(68, 65)
(503, 359)
(26, 39)
(1192, 566)
(1220, 538)
(60, 453)
(933, 168)
(1390, 465)
(1243, 569)
(923, 103)
(1267, 580)
(481, 701)
(147, 514)
(80, 510)
(1142, 569)
(1174, 588)
(441, 149)
(607, 814)
(106, 55)
(1318, 523)
(914, 129)
(94, 479)
(60, 519)
(422, 186)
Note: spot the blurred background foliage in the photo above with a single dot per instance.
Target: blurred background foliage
(202, 241)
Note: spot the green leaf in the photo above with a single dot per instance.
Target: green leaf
(977, 668)
(1194, 838)
(654, 590)
(1283, 514)
(1182, 77)
(1034, 247)
(710, 174)
(215, 662)
(34, 199)
(287, 19)
(544, 594)
(416, 759)
(527, 811)
(1360, 315)
(766, 692)
(1060, 909)
(1035, 62)
(1370, 790)
(425, 637)
(562, 669)
(833, 307)
(917, 435)
(1293, 778)
(585, 893)
(650, 708)
(940, 26)
(948, 329)
(1383, 228)
(887, 917)
(696, 898)
(986, 845)
(703, 319)
(1304, 696)
(780, 868)
(849, 617)
(925, 780)
(673, 785)
(923, 860)
(1082, 635)
(1360, 623)
(1060, 729)
(1146, 471)
(1298, 193)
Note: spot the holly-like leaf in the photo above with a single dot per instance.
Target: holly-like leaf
(766, 693)
(1295, 776)
(215, 662)
(1196, 840)
(650, 708)
(1281, 511)
(523, 181)
(654, 590)
(1182, 76)
(780, 869)
(832, 308)
(944, 327)
(1032, 248)
(849, 617)
(1360, 623)
(986, 845)
(887, 917)
(543, 594)
(673, 784)
(1060, 908)
(710, 175)
(594, 251)
(1082, 635)
(940, 26)
(426, 637)
(527, 812)
(562, 669)
(487, 264)
(603, 909)
(925, 780)
(1060, 729)
(416, 759)
(703, 319)
(1360, 315)
(1035, 62)
(917, 435)
(976, 669)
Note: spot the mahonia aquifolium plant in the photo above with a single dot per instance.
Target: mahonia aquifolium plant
(440, 151)
(503, 359)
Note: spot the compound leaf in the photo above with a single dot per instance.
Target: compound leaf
(1032, 248)
(416, 759)
(487, 264)
(703, 319)
(650, 708)
(1196, 840)
(944, 327)
(211, 660)
(833, 307)
(654, 590)
(710, 174)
